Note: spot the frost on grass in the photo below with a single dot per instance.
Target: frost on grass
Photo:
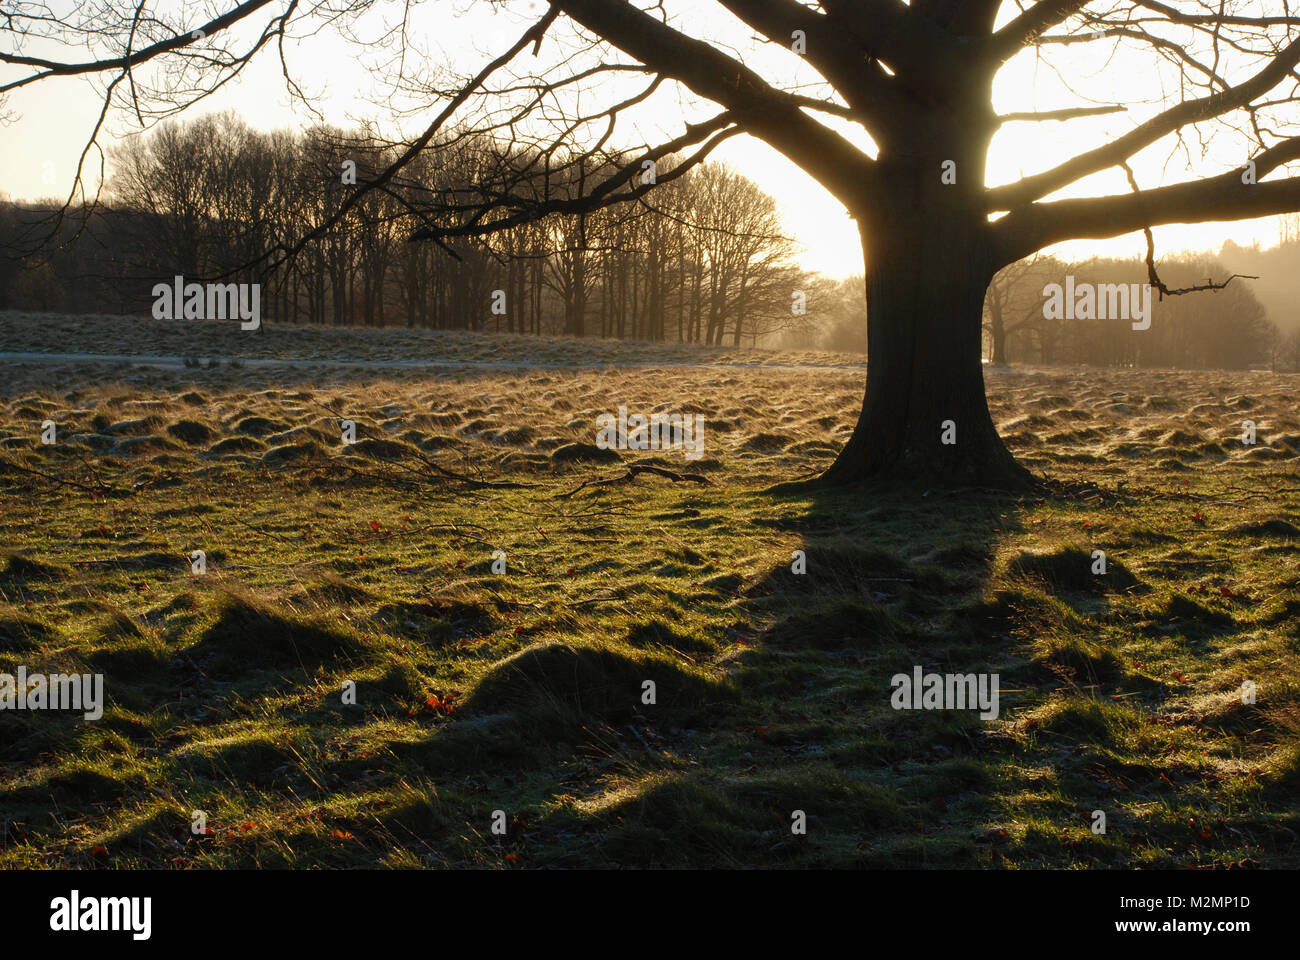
(369, 567)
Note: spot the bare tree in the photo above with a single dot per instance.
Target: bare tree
(917, 77)
(1289, 228)
(1014, 309)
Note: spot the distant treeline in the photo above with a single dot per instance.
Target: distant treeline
(1278, 270)
(1226, 328)
(702, 259)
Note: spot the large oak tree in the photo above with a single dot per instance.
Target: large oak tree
(918, 78)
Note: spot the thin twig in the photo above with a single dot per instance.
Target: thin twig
(103, 487)
(634, 471)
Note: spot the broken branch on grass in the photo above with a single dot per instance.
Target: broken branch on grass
(634, 471)
(103, 486)
(414, 478)
(636, 733)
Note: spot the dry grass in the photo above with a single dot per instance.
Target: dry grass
(521, 691)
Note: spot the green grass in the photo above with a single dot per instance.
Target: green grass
(522, 691)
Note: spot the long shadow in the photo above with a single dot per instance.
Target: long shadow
(875, 584)
(878, 587)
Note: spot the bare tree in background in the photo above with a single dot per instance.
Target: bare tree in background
(916, 77)
(1289, 231)
(1014, 306)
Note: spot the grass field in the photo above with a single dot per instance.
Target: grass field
(522, 691)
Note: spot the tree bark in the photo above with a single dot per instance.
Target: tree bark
(997, 329)
(928, 269)
(998, 354)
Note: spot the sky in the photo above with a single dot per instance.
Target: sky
(49, 122)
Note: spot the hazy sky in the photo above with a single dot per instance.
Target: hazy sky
(40, 148)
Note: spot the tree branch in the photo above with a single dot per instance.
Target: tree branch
(604, 193)
(1221, 198)
(533, 35)
(1153, 276)
(55, 68)
(1029, 189)
(1027, 27)
(767, 113)
(833, 52)
(1068, 113)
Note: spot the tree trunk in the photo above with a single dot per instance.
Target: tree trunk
(997, 329)
(927, 273)
(998, 354)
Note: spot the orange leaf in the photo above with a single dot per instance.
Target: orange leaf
(99, 850)
(444, 705)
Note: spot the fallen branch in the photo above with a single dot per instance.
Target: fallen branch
(636, 733)
(415, 479)
(634, 471)
(472, 482)
(103, 487)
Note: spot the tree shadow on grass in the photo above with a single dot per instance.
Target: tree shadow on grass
(865, 590)
(882, 583)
